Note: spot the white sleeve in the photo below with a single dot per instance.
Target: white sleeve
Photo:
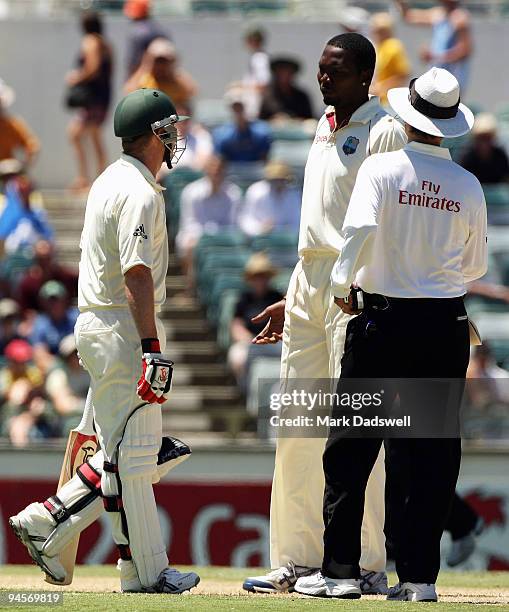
(189, 225)
(475, 254)
(135, 230)
(359, 229)
(260, 66)
(249, 220)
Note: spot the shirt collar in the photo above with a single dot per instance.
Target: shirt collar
(427, 149)
(147, 175)
(363, 114)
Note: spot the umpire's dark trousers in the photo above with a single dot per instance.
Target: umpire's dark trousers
(412, 338)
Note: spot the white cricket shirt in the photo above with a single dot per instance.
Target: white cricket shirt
(415, 227)
(125, 226)
(331, 169)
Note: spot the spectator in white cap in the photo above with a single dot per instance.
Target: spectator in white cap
(415, 234)
(485, 157)
(17, 139)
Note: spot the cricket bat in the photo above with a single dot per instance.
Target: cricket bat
(81, 445)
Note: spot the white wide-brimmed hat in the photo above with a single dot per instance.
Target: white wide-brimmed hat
(431, 104)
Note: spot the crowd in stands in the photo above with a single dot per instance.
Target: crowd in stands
(234, 182)
(42, 385)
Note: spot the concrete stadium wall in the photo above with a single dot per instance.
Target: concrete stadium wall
(36, 54)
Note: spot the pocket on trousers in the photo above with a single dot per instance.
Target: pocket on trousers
(94, 348)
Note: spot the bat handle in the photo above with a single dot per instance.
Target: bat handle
(86, 425)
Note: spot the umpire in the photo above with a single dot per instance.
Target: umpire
(415, 233)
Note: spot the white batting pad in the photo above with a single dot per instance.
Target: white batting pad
(137, 466)
(75, 491)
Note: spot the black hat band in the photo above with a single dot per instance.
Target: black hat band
(428, 109)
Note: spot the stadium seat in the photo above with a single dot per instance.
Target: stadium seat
(281, 281)
(245, 174)
(263, 381)
(233, 260)
(291, 133)
(227, 305)
(288, 240)
(211, 112)
(175, 182)
(497, 201)
(222, 282)
(502, 114)
(294, 153)
(496, 195)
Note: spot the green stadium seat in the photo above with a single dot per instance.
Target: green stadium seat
(281, 281)
(294, 153)
(291, 133)
(222, 283)
(496, 195)
(274, 240)
(175, 182)
(227, 305)
(211, 112)
(263, 381)
(502, 113)
(216, 263)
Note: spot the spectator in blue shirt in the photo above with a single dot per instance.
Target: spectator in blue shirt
(21, 223)
(54, 323)
(242, 140)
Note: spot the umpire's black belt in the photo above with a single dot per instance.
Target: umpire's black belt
(376, 301)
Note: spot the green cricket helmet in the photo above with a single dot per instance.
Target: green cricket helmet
(150, 110)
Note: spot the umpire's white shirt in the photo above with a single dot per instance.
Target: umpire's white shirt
(415, 226)
(333, 162)
(125, 226)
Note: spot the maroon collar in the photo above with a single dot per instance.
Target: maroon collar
(331, 118)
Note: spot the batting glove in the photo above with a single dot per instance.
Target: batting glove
(155, 381)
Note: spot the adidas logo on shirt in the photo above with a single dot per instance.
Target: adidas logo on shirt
(140, 231)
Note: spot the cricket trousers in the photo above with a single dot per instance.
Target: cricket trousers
(129, 432)
(412, 339)
(313, 339)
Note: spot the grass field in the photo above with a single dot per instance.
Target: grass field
(220, 590)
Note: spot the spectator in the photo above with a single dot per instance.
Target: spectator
(23, 221)
(56, 321)
(143, 31)
(9, 319)
(93, 76)
(282, 99)
(67, 384)
(489, 383)
(272, 204)
(484, 158)
(392, 65)
(160, 69)
(451, 39)
(207, 205)
(16, 137)
(258, 273)
(44, 269)
(242, 140)
(354, 19)
(258, 70)
(24, 410)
